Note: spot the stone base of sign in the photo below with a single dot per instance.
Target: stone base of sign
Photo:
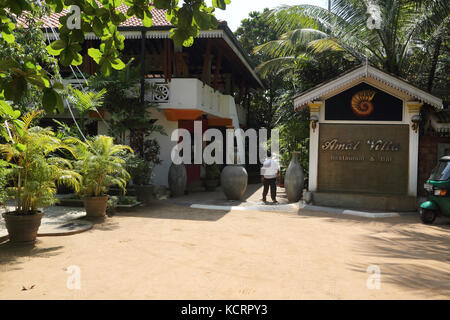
(365, 201)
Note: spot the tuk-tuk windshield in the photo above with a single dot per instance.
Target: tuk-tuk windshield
(441, 172)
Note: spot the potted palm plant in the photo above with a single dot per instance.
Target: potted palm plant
(101, 163)
(212, 176)
(33, 172)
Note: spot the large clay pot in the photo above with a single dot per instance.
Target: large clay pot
(294, 179)
(22, 228)
(177, 179)
(95, 206)
(144, 193)
(234, 180)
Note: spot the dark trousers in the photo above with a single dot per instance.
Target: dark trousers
(273, 188)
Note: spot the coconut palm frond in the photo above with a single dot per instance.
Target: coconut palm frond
(322, 45)
(277, 65)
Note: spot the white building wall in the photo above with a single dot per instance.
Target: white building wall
(160, 176)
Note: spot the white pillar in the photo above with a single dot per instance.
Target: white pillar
(314, 111)
(413, 114)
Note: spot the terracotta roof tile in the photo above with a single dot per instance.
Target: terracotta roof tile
(159, 18)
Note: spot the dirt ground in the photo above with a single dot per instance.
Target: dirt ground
(173, 252)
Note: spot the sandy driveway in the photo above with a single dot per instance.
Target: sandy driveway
(173, 252)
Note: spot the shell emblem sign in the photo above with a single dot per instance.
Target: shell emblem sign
(361, 103)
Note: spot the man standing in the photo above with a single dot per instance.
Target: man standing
(269, 172)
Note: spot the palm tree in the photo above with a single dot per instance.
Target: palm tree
(405, 26)
(101, 163)
(34, 166)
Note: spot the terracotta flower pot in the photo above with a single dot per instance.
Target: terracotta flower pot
(95, 206)
(22, 228)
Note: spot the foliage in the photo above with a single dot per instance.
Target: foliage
(3, 181)
(141, 171)
(294, 137)
(86, 102)
(125, 200)
(112, 203)
(255, 31)
(35, 168)
(212, 172)
(135, 121)
(101, 163)
(311, 31)
(27, 69)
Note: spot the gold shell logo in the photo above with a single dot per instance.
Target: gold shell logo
(362, 104)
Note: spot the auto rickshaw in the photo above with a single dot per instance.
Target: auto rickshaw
(438, 189)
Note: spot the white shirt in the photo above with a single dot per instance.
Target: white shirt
(270, 168)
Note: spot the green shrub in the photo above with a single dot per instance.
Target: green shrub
(3, 182)
(212, 172)
(101, 163)
(35, 168)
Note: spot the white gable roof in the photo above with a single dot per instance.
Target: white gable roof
(362, 73)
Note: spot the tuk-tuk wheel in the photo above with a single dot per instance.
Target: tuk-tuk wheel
(427, 216)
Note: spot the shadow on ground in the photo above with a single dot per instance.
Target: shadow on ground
(11, 253)
(102, 223)
(163, 210)
(426, 255)
(406, 218)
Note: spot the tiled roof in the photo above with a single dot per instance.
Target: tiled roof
(159, 18)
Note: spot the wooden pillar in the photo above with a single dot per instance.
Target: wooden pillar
(169, 58)
(207, 64)
(228, 80)
(165, 61)
(143, 69)
(241, 91)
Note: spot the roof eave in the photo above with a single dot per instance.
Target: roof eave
(228, 35)
(302, 100)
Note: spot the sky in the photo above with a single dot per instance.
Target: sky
(239, 9)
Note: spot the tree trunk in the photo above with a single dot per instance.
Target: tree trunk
(271, 100)
(434, 62)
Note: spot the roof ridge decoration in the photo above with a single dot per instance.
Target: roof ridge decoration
(366, 71)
